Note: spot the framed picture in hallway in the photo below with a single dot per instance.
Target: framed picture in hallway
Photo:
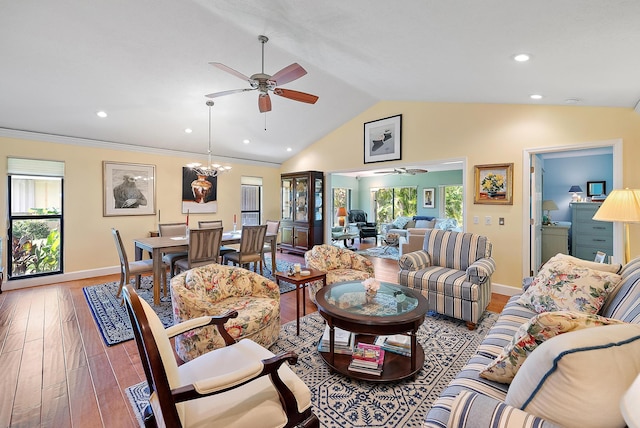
(494, 184)
(383, 139)
(428, 198)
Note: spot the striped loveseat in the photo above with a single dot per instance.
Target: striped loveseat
(472, 401)
(453, 271)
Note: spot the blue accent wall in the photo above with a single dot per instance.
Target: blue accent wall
(562, 173)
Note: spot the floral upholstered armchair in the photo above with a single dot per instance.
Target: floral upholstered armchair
(215, 289)
(340, 265)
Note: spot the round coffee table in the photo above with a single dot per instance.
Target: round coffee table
(394, 310)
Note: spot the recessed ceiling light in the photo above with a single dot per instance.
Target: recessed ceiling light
(522, 57)
(572, 100)
(102, 114)
(535, 97)
(289, 149)
(188, 130)
(245, 141)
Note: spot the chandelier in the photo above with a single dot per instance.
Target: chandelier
(210, 169)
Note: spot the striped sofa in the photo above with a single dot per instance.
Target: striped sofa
(453, 271)
(470, 400)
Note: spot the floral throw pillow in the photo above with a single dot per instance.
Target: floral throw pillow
(531, 334)
(400, 222)
(563, 286)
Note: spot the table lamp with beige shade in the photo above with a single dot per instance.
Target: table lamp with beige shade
(548, 205)
(622, 205)
(342, 213)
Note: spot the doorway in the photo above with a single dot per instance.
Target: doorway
(532, 212)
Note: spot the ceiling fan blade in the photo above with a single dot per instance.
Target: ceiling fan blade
(289, 74)
(230, 70)
(264, 103)
(296, 95)
(232, 91)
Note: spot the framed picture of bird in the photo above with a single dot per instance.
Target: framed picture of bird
(383, 139)
(129, 189)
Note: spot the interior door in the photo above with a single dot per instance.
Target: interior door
(536, 214)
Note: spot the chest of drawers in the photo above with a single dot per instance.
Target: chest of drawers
(589, 236)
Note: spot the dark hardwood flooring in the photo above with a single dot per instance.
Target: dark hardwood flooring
(56, 370)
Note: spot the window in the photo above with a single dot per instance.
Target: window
(341, 198)
(251, 201)
(35, 190)
(393, 202)
(451, 203)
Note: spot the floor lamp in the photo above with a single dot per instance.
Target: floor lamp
(622, 205)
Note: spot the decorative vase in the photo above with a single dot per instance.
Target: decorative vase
(492, 194)
(201, 189)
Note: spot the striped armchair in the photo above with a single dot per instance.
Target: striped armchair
(453, 271)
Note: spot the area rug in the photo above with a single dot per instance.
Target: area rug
(112, 319)
(383, 252)
(339, 401)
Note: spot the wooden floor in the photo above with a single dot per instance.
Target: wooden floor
(56, 370)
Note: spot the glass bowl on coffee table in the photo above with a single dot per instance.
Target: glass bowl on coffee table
(394, 309)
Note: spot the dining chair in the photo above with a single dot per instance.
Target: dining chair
(216, 223)
(173, 229)
(272, 229)
(204, 248)
(240, 385)
(251, 244)
(135, 268)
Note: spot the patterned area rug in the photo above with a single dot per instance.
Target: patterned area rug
(112, 319)
(339, 401)
(383, 252)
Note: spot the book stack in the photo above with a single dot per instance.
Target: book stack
(343, 341)
(396, 343)
(367, 358)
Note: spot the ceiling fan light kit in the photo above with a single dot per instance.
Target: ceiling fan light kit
(265, 83)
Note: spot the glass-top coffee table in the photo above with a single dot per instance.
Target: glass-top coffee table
(395, 309)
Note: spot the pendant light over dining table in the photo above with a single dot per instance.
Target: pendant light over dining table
(211, 169)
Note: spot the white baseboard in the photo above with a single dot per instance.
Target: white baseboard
(505, 290)
(56, 279)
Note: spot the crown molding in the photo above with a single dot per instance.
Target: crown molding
(62, 139)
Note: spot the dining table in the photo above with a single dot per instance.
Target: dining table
(156, 246)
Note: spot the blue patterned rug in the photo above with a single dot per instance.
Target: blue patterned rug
(112, 319)
(339, 401)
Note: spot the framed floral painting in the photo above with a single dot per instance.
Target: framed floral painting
(494, 184)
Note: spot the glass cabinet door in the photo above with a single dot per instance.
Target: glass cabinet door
(318, 199)
(287, 199)
(301, 199)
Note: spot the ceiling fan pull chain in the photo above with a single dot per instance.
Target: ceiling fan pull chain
(265, 120)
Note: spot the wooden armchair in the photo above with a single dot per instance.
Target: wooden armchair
(240, 385)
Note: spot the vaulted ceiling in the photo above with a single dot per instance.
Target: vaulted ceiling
(146, 64)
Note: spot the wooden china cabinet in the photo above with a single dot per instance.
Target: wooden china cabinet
(302, 207)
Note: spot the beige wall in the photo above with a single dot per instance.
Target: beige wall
(87, 238)
(484, 134)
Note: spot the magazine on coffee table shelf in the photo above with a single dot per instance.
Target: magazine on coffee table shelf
(396, 343)
(367, 358)
(344, 341)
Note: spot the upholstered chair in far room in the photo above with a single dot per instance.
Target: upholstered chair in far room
(239, 385)
(135, 268)
(213, 290)
(206, 224)
(204, 248)
(272, 229)
(173, 229)
(340, 265)
(367, 229)
(251, 244)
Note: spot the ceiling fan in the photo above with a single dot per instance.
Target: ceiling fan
(264, 83)
(408, 171)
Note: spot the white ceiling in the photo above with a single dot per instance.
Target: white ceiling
(146, 64)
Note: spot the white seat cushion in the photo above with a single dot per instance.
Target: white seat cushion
(231, 409)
